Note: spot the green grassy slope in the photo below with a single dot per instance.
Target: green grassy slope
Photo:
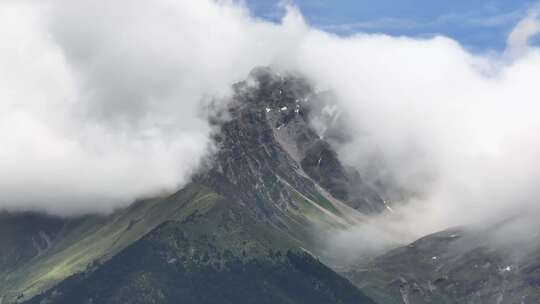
(80, 243)
(220, 254)
(97, 238)
(24, 236)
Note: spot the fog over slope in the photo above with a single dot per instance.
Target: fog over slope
(101, 102)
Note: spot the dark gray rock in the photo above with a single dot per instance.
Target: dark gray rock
(267, 150)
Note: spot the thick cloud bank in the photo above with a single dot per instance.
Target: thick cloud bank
(99, 100)
(99, 104)
(457, 130)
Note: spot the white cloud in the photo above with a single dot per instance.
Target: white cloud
(518, 39)
(457, 129)
(99, 101)
(55, 156)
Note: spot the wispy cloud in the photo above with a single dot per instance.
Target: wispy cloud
(473, 20)
(375, 24)
(519, 39)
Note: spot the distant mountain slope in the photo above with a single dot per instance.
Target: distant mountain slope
(458, 266)
(218, 254)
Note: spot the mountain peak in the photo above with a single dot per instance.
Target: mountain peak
(272, 92)
(269, 154)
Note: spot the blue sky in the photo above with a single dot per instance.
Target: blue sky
(477, 24)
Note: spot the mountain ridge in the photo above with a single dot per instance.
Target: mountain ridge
(251, 218)
(270, 163)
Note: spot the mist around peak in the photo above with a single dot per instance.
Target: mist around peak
(97, 114)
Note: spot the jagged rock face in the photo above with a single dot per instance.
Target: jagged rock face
(268, 150)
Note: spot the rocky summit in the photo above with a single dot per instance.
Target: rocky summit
(269, 153)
